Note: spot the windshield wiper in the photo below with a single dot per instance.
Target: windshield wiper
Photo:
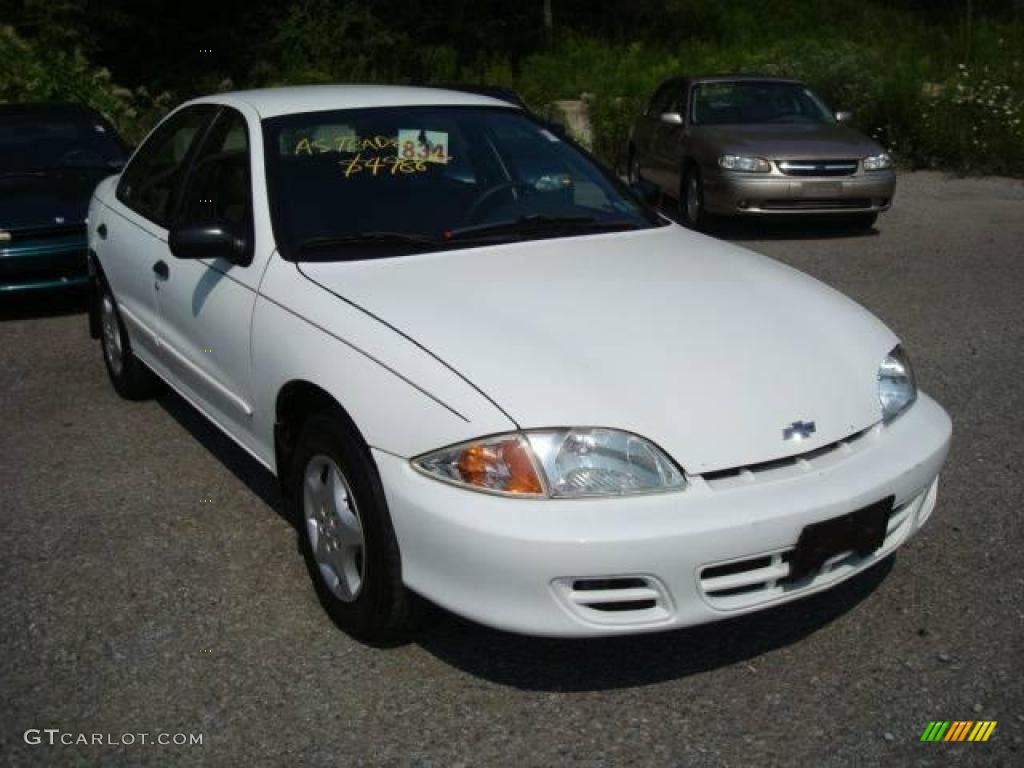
(62, 171)
(537, 224)
(369, 238)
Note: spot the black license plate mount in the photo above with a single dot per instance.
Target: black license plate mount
(861, 531)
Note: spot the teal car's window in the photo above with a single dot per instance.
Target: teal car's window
(43, 143)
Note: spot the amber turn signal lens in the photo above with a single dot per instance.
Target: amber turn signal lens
(501, 466)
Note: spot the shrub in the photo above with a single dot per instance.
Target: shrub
(611, 120)
(321, 42)
(901, 88)
(974, 123)
(30, 72)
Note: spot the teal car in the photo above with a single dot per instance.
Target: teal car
(51, 158)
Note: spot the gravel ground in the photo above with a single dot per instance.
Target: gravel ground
(149, 584)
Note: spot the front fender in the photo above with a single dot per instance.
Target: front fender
(402, 399)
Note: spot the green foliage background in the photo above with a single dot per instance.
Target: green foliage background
(941, 84)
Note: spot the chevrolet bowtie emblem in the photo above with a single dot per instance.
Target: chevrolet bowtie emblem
(798, 430)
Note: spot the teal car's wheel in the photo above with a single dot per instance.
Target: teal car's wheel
(131, 379)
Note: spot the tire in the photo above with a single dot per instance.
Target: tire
(864, 221)
(691, 200)
(345, 530)
(131, 379)
(632, 167)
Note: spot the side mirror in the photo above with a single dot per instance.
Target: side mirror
(671, 118)
(844, 117)
(207, 242)
(647, 191)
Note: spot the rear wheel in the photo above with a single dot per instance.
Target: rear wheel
(345, 530)
(131, 379)
(632, 167)
(691, 200)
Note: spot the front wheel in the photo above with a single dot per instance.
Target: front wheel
(864, 221)
(345, 530)
(131, 379)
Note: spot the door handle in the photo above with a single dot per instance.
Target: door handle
(101, 230)
(161, 270)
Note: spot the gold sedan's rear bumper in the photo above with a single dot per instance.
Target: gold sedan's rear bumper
(776, 194)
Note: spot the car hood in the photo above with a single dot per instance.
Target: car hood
(31, 200)
(789, 141)
(707, 349)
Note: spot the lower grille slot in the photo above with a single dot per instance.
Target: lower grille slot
(585, 585)
(614, 599)
(731, 568)
(627, 605)
(817, 204)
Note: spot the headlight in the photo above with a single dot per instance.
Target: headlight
(897, 389)
(745, 164)
(880, 162)
(556, 463)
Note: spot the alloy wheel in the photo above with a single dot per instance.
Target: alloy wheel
(111, 334)
(334, 528)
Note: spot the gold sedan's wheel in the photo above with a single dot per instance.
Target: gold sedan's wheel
(694, 200)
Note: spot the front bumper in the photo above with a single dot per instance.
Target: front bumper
(730, 194)
(30, 266)
(655, 562)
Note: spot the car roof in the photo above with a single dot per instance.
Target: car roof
(50, 109)
(500, 92)
(273, 102)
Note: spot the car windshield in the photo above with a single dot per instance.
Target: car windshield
(358, 183)
(732, 103)
(41, 143)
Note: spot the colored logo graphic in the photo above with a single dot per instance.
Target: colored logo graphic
(958, 730)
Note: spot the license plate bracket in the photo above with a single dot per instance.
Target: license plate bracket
(822, 189)
(861, 531)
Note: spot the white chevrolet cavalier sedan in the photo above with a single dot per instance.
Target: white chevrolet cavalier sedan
(485, 371)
